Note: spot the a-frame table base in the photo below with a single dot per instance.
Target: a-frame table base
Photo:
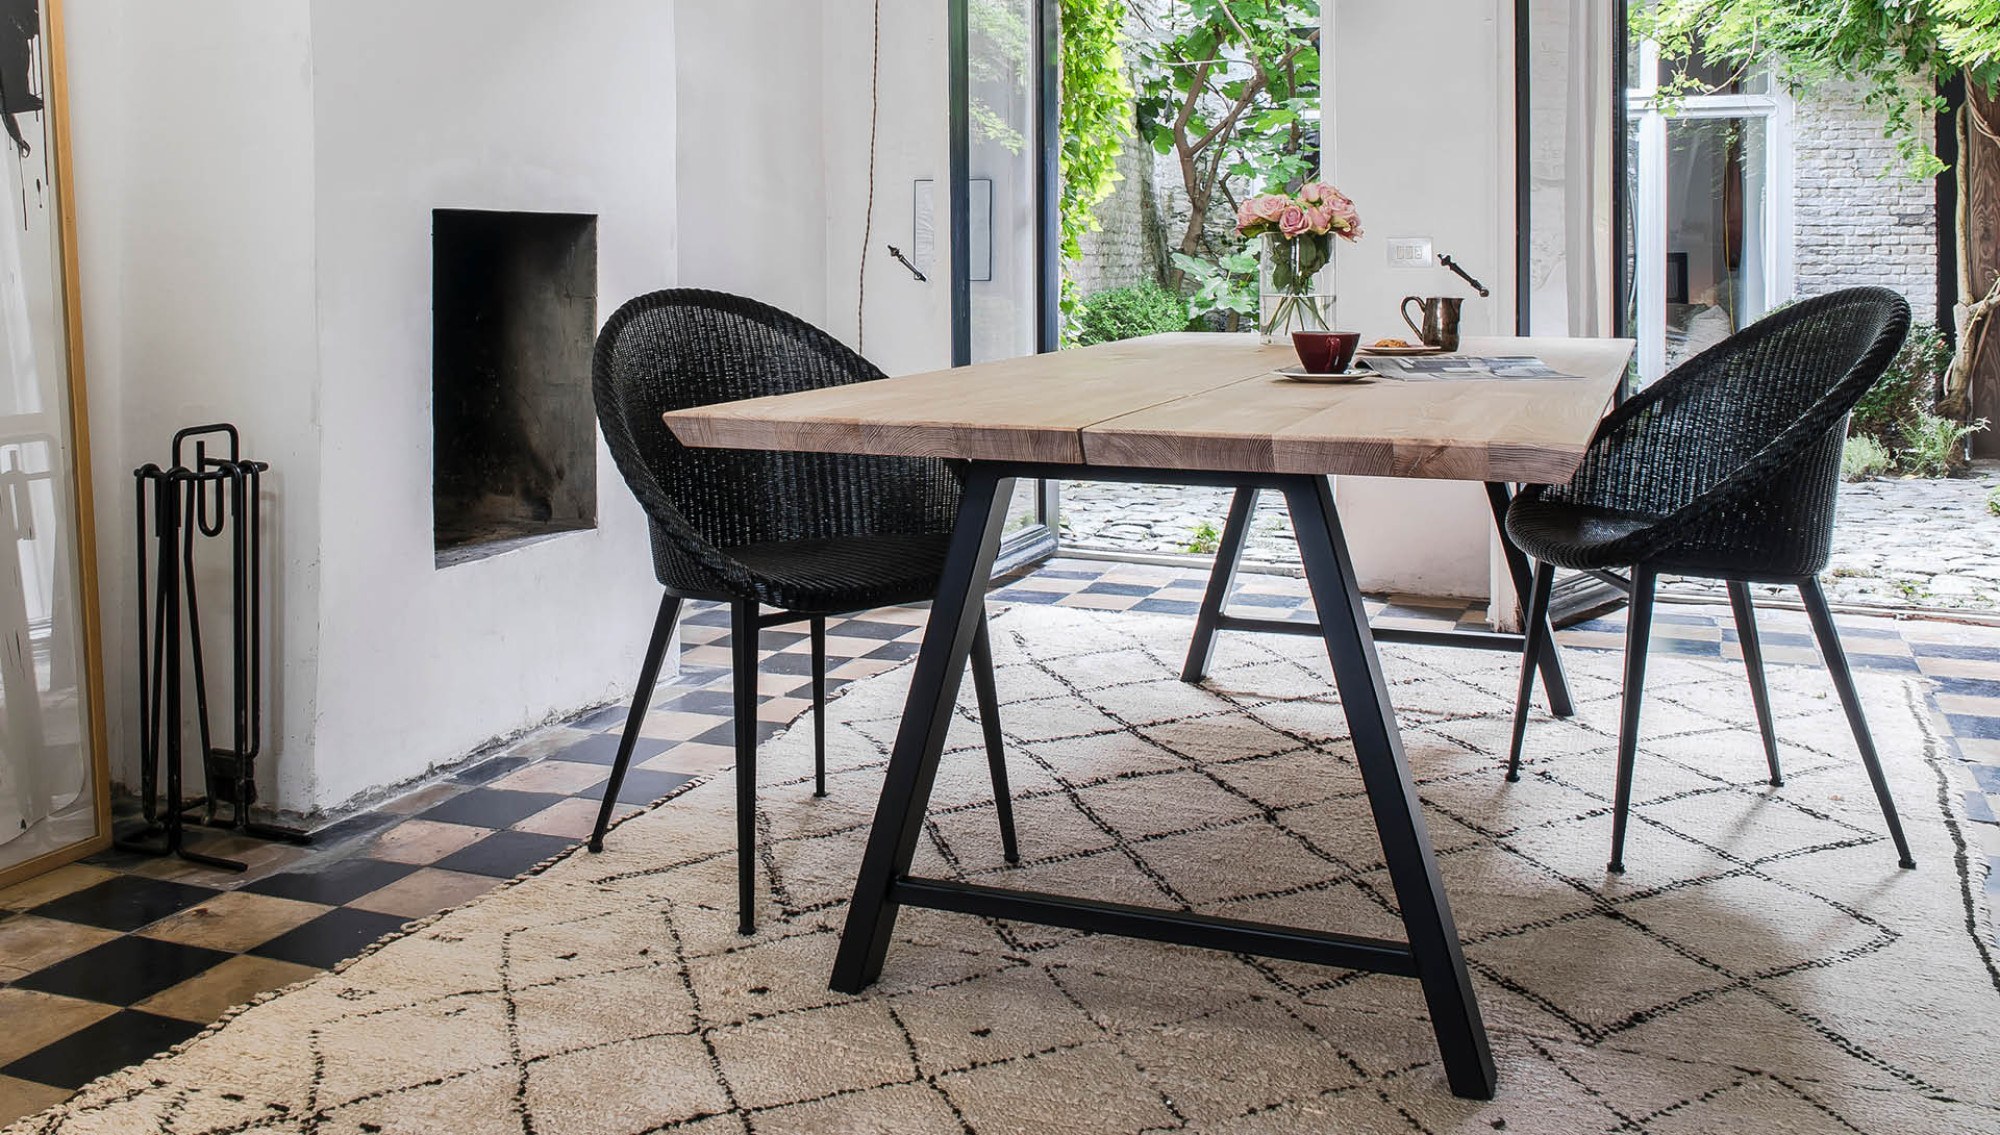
(1430, 953)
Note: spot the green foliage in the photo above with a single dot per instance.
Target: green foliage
(1898, 50)
(1935, 446)
(1204, 539)
(1906, 391)
(1095, 117)
(1230, 89)
(1144, 308)
(1993, 501)
(1226, 284)
(1862, 457)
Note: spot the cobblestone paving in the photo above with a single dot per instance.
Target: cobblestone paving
(1898, 542)
(1170, 519)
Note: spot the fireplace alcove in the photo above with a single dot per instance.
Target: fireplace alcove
(514, 317)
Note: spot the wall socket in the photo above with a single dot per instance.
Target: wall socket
(1410, 252)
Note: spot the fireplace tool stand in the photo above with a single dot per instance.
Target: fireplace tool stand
(217, 499)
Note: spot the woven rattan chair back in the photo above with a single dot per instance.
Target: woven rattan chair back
(1735, 455)
(673, 349)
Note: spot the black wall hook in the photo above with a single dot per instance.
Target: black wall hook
(905, 261)
(1448, 262)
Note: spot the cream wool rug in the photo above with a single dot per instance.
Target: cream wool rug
(1765, 967)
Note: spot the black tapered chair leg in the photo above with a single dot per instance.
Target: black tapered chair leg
(1753, 662)
(996, 750)
(743, 654)
(1850, 700)
(642, 698)
(1638, 635)
(1531, 653)
(819, 704)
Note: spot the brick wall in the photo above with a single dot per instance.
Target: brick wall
(1130, 247)
(1851, 225)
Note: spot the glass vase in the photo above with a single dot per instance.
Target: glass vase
(1295, 286)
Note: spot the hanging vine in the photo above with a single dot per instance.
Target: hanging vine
(1095, 118)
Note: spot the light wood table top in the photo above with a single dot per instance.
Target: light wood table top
(1199, 401)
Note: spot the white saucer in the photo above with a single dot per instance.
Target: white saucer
(1300, 374)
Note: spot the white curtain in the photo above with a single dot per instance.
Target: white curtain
(1591, 167)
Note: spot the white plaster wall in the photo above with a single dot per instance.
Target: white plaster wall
(774, 174)
(194, 194)
(1421, 112)
(531, 106)
(908, 322)
(753, 195)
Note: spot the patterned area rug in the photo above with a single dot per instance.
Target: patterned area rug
(1764, 966)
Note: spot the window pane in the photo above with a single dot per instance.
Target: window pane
(1025, 510)
(1715, 76)
(1000, 70)
(1717, 218)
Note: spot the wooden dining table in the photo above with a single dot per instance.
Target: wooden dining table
(1196, 409)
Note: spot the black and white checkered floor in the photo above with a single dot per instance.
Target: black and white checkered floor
(108, 961)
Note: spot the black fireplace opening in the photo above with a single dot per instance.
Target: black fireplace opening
(514, 317)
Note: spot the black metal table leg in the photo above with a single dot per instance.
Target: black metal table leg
(1499, 496)
(1228, 553)
(913, 762)
(1214, 616)
(1385, 772)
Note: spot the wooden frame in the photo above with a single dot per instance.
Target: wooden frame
(90, 638)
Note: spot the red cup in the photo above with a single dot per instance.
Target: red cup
(1326, 352)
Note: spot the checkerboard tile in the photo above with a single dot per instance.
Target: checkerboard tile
(107, 962)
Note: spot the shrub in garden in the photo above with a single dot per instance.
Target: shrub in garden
(1906, 392)
(1144, 308)
(1863, 456)
(1934, 446)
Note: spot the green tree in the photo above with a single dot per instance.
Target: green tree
(1230, 90)
(1898, 50)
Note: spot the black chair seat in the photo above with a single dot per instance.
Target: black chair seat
(1572, 536)
(834, 576)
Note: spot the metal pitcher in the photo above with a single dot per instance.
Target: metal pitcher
(1440, 325)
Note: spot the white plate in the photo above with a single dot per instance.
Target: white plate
(1300, 374)
(1394, 352)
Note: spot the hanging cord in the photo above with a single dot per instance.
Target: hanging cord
(868, 224)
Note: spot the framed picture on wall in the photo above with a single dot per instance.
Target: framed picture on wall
(54, 781)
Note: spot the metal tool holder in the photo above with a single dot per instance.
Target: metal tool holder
(218, 499)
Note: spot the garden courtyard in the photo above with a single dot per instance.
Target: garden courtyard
(1900, 542)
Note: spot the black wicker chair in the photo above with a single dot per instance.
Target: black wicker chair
(810, 534)
(1726, 468)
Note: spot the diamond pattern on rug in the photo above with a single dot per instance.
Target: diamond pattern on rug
(1764, 966)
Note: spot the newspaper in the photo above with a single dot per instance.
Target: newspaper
(1422, 368)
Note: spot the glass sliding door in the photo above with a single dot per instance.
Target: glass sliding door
(1704, 174)
(1002, 186)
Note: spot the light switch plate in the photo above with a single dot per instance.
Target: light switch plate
(1410, 252)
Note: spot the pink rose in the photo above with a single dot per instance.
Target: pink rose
(1319, 218)
(1317, 193)
(1292, 222)
(1346, 221)
(1247, 218)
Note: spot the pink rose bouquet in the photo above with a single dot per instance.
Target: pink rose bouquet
(1318, 210)
(1298, 234)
